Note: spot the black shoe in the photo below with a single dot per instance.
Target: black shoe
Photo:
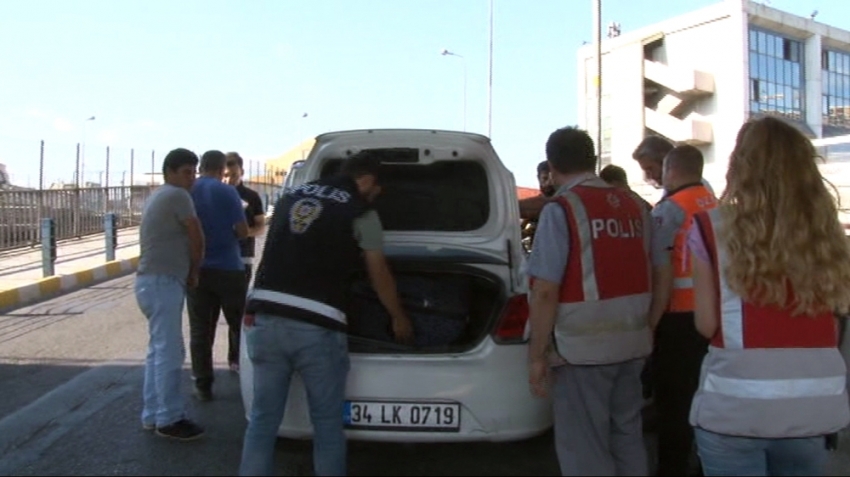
(184, 430)
(203, 393)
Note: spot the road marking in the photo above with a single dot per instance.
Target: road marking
(27, 433)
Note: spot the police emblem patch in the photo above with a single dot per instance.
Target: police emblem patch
(613, 200)
(303, 214)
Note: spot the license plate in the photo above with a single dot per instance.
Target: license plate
(402, 416)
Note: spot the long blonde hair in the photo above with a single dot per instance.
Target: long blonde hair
(780, 223)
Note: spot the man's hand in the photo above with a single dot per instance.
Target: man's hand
(192, 279)
(538, 377)
(403, 329)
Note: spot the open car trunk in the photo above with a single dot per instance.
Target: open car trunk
(452, 307)
(446, 196)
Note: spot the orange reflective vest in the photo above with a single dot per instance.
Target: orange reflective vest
(767, 374)
(691, 199)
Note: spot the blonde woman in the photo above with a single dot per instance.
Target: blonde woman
(771, 267)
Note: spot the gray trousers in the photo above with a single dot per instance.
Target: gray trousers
(598, 429)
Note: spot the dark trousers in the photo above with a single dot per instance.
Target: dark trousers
(676, 362)
(249, 273)
(218, 291)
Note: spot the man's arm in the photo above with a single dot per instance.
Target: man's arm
(369, 234)
(255, 207)
(185, 210)
(232, 206)
(547, 264)
(667, 219)
(531, 207)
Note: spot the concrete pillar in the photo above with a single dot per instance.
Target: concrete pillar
(813, 83)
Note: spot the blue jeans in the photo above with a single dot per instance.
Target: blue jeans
(730, 455)
(277, 348)
(160, 297)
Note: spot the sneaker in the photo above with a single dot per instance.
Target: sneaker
(203, 394)
(184, 430)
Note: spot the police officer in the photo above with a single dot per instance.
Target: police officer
(650, 154)
(616, 176)
(590, 293)
(679, 349)
(321, 233)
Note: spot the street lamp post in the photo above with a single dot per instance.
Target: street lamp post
(449, 53)
(83, 162)
(597, 26)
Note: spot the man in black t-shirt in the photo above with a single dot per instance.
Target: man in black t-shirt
(255, 214)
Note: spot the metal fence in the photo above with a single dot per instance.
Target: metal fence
(78, 212)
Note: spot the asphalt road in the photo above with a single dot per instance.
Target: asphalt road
(70, 398)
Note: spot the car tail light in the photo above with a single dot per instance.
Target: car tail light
(511, 326)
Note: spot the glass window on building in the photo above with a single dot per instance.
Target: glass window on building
(776, 75)
(836, 93)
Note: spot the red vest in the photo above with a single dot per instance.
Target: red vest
(767, 374)
(605, 292)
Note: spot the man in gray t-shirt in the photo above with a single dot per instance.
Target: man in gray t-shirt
(172, 246)
(163, 236)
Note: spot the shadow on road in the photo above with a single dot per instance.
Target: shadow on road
(17, 323)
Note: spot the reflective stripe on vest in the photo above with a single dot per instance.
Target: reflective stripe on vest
(767, 373)
(298, 302)
(605, 293)
(691, 200)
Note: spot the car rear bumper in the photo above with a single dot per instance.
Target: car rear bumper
(490, 384)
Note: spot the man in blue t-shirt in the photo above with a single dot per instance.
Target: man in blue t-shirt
(221, 279)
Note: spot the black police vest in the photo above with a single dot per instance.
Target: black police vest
(310, 254)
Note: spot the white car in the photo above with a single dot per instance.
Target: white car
(449, 206)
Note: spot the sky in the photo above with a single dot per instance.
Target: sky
(230, 75)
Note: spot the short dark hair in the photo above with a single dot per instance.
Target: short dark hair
(178, 158)
(213, 161)
(234, 157)
(542, 167)
(612, 173)
(361, 164)
(571, 150)
(687, 159)
(653, 148)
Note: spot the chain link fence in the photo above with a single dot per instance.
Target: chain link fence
(77, 187)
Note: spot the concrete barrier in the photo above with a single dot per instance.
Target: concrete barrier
(60, 284)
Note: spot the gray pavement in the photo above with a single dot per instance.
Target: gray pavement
(71, 375)
(23, 266)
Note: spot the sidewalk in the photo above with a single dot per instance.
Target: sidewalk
(79, 263)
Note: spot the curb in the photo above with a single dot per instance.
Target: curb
(60, 284)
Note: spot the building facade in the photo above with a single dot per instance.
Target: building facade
(696, 78)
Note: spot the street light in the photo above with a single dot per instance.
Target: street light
(449, 53)
(82, 178)
(597, 27)
(301, 134)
